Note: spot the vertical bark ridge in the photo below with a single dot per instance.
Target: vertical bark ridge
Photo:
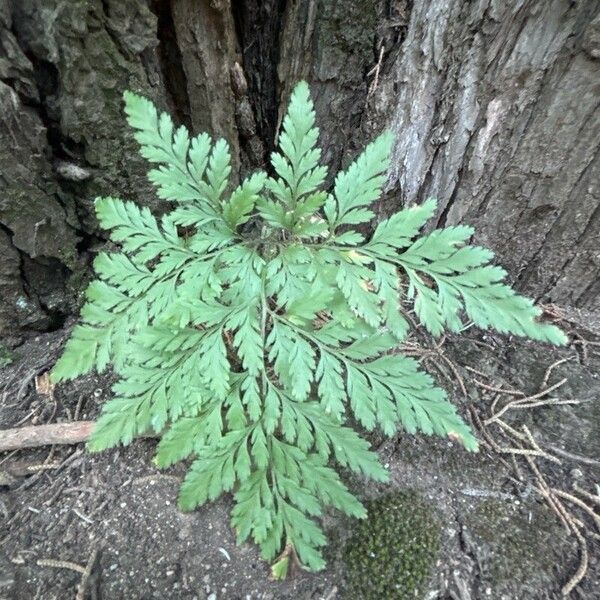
(494, 107)
(497, 116)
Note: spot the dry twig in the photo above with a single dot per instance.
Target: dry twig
(45, 435)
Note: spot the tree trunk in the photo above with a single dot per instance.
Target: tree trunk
(494, 106)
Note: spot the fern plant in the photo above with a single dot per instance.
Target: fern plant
(246, 326)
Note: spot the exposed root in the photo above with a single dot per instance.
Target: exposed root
(455, 372)
(579, 503)
(551, 368)
(583, 565)
(67, 564)
(592, 497)
(586, 460)
(527, 401)
(375, 72)
(86, 574)
(582, 343)
(491, 388)
(60, 564)
(523, 444)
(477, 372)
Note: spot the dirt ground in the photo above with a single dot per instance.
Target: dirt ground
(500, 539)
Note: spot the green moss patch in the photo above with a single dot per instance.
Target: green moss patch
(391, 552)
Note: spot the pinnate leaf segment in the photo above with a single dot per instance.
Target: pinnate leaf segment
(247, 326)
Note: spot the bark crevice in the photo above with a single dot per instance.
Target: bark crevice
(171, 62)
(258, 25)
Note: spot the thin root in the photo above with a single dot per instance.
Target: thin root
(60, 564)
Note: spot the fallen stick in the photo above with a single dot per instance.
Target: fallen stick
(35, 436)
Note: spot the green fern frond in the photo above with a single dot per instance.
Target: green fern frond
(247, 326)
(360, 185)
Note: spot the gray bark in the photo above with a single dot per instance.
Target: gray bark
(495, 110)
(494, 106)
(503, 129)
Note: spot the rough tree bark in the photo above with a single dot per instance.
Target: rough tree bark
(494, 105)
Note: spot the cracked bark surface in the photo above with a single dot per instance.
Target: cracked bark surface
(494, 106)
(502, 126)
(62, 70)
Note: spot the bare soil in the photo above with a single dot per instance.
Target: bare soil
(499, 538)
